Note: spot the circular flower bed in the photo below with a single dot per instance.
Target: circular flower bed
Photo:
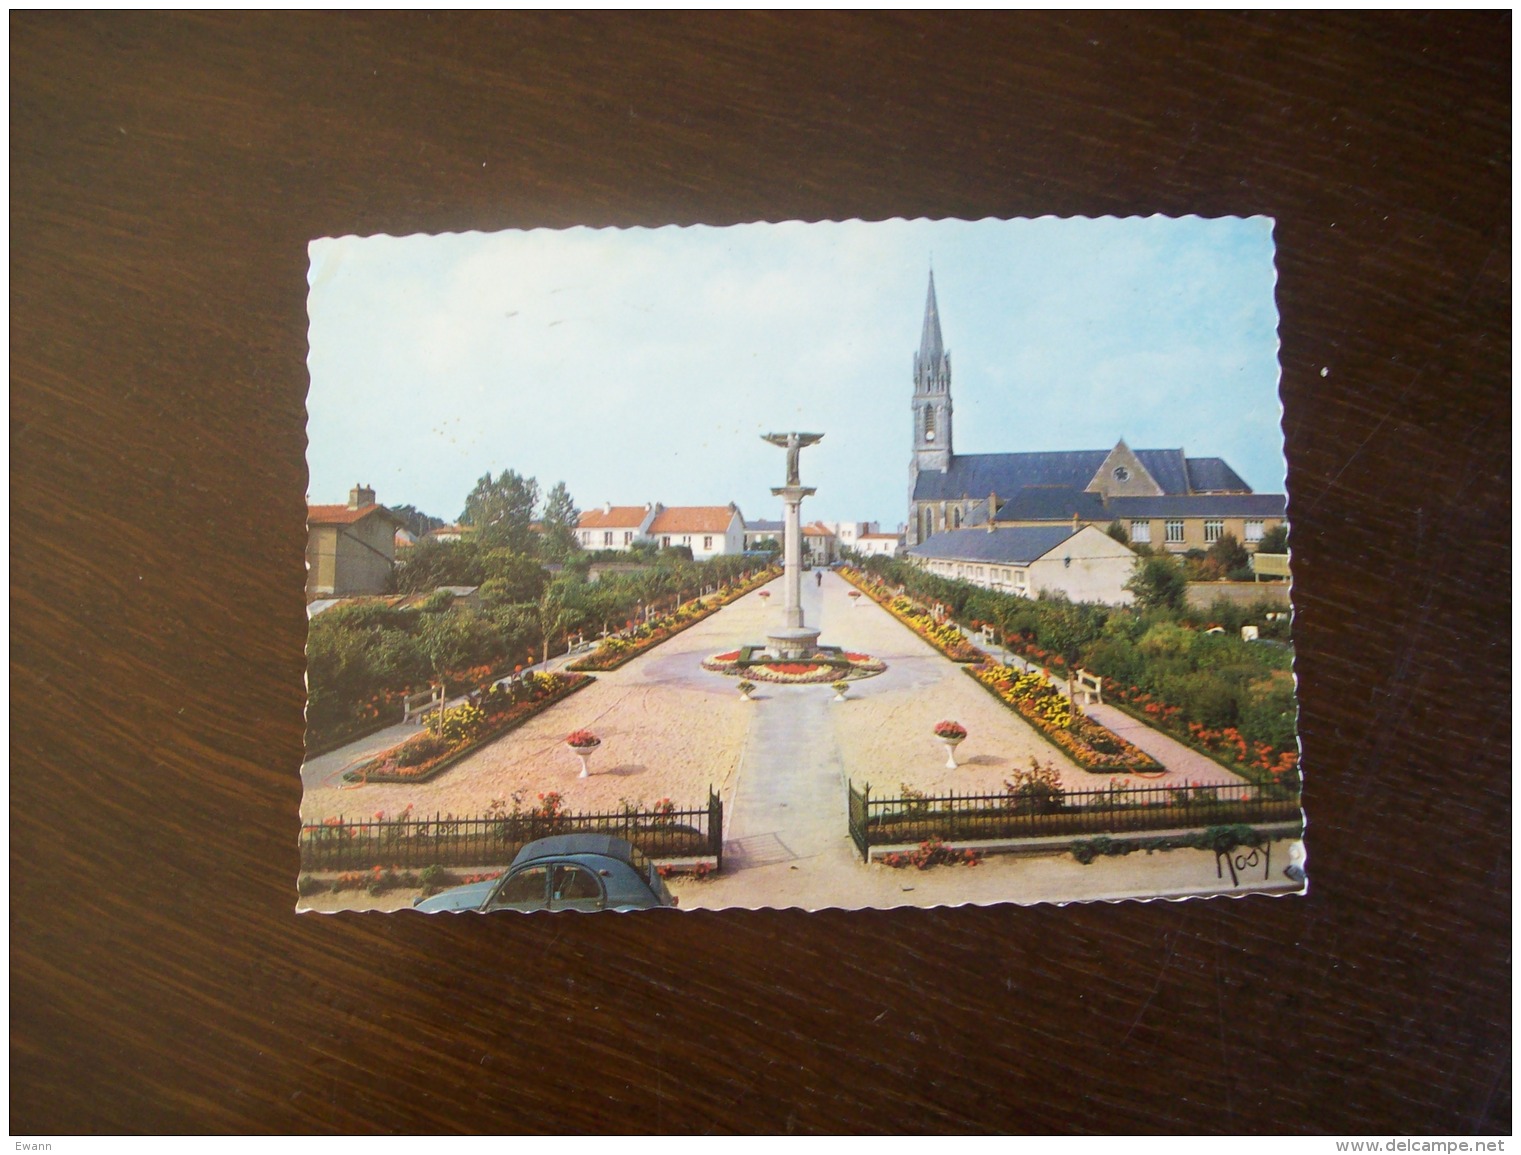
(822, 667)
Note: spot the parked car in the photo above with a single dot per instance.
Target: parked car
(565, 872)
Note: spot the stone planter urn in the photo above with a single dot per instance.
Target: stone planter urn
(950, 735)
(855, 597)
(840, 689)
(583, 744)
(746, 689)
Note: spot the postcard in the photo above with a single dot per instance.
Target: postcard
(834, 565)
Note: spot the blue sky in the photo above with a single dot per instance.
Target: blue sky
(644, 364)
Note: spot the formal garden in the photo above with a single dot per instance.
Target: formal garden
(365, 658)
(1189, 674)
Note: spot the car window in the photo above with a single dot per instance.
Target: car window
(525, 890)
(575, 888)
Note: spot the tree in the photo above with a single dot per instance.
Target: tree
(1117, 531)
(431, 564)
(417, 522)
(561, 518)
(1228, 556)
(1158, 583)
(1275, 540)
(501, 511)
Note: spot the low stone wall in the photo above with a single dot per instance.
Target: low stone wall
(1202, 595)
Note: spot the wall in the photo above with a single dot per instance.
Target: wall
(1202, 595)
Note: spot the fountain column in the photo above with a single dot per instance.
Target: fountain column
(795, 639)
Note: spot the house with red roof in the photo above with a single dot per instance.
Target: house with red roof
(615, 526)
(350, 549)
(707, 530)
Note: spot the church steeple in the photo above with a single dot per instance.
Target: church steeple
(932, 392)
(931, 347)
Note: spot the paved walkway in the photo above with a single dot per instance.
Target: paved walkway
(787, 841)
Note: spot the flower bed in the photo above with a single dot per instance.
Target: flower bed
(618, 651)
(944, 636)
(823, 667)
(1091, 746)
(386, 709)
(1262, 762)
(468, 726)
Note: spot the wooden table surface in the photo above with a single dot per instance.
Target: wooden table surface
(167, 173)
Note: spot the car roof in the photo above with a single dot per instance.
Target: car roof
(608, 845)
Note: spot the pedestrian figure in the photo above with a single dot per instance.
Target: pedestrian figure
(819, 577)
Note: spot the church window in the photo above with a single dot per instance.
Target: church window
(929, 424)
(1174, 531)
(1254, 531)
(927, 523)
(1213, 528)
(1140, 532)
(1121, 474)
(955, 519)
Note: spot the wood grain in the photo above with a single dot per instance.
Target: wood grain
(166, 175)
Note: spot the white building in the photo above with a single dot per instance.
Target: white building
(707, 530)
(1086, 564)
(878, 544)
(615, 526)
(820, 546)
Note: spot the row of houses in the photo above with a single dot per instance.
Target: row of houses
(712, 530)
(352, 549)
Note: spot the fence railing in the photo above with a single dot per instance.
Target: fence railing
(1033, 813)
(494, 839)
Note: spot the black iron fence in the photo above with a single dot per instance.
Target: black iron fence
(1033, 813)
(411, 841)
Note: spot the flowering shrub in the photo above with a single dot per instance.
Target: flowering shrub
(944, 636)
(462, 723)
(931, 853)
(952, 730)
(1036, 790)
(551, 808)
(1090, 745)
(582, 740)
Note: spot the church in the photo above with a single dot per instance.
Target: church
(1159, 497)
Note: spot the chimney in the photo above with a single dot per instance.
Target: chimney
(1074, 521)
(360, 496)
(607, 507)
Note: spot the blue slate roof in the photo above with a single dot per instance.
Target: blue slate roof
(1212, 475)
(1201, 505)
(976, 475)
(1017, 546)
(1052, 503)
(765, 526)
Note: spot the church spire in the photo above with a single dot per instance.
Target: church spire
(931, 347)
(932, 392)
